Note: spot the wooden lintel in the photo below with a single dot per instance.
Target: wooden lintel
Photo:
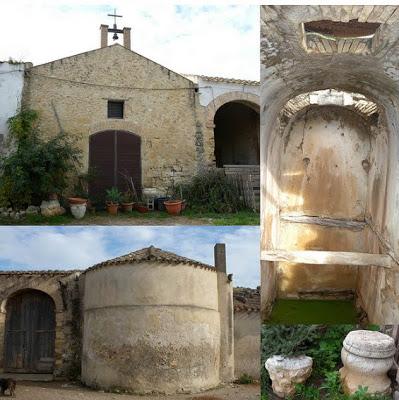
(325, 221)
(328, 257)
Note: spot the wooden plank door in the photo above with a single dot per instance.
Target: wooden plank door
(111, 154)
(30, 333)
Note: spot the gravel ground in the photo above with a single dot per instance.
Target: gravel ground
(70, 391)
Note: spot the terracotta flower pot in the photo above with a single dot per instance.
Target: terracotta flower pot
(173, 207)
(127, 207)
(76, 200)
(141, 208)
(112, 208)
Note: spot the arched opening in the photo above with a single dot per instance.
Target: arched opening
(236, 135)
(115, 160)
(327, 170)
(29, 333)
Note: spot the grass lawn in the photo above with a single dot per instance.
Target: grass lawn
(188, 217)
(293, 312)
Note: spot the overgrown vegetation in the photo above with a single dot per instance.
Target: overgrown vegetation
(33, 168)
(321, 342)
(331, 389)
(245, 379)
(211, 191)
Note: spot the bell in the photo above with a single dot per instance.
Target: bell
(115, 37)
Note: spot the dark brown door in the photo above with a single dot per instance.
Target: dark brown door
(30, 333)
(113, 155)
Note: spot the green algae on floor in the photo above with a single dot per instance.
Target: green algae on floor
(290, 312)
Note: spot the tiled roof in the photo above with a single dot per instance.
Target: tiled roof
(228, 80)
(42, 272)
(246, 299)
(151, 254)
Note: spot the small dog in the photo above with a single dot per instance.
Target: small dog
(7, 384)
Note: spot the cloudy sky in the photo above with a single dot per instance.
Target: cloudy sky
(35, 248)
(217, 40)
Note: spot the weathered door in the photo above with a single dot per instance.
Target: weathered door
(114, 155)
(30, 333)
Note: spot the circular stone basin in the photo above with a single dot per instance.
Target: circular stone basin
(369, 344)
(286, 372)
(367, 357)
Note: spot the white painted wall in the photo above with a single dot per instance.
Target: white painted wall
(209, 90)
(11, 85)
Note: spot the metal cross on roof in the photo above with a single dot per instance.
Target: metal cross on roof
(115, 29)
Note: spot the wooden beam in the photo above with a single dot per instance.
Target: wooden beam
(324, 221)
(328, 257)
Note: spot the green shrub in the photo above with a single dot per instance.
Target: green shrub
(327, 354)
(331, 390)
(33, 167)
(245, 379)
(212, 191)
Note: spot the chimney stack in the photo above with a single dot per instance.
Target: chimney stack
(220, 257)
(126, 38)
(104, 35)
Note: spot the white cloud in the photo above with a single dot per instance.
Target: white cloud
(40, 248)
(211, 40)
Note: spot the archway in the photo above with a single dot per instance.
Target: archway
(29, 333)
(236, 135)
(114, 158)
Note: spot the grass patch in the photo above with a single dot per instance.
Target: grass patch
(159, 217)
(293, 312)
(238, 218)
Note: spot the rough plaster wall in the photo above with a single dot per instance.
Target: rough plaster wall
(225, 306)
(247, 344)
(379, 288)
(66, 298)
(11, 85)
(322, 175)
(151, 327)
(287, 71)
(209, 90)
(164, 119)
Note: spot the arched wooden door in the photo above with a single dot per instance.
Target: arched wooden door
(113, 155)
(30, 333)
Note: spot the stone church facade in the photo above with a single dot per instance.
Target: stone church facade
(131, 116)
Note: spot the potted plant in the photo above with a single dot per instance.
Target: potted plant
(113, 198)
(127, 202)
(284, 348)
(141, 207)
(175, 205)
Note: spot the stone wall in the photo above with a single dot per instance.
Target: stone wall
(64, 288)
(160, 107)
(247, 344)
(247, 325)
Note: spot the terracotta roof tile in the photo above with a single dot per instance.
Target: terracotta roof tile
(42, 272)
(228, 80)
(246, 299)
(151, 254)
